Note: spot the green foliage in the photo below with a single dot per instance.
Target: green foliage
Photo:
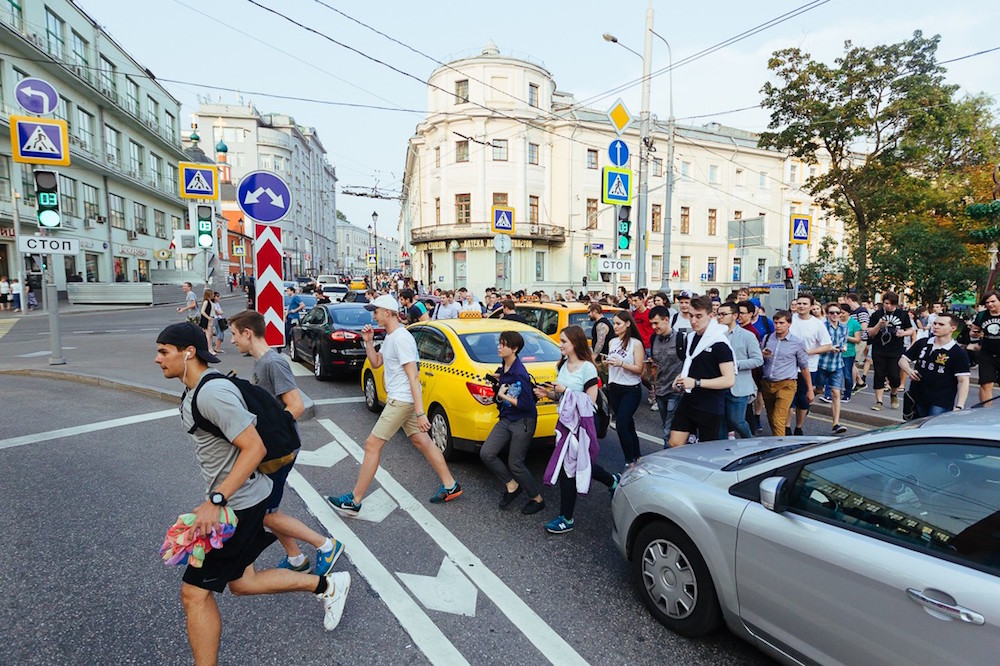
(830, 276)
(341, 217)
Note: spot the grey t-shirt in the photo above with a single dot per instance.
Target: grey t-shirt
(220, 402)
(272, 373)
(190, 302)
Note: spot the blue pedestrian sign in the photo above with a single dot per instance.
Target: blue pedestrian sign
(618, 152)
(36, 96)
(198, 181)
(617, 189)
(264, 196)
(801, 228)
(503, 220)
(39, 140)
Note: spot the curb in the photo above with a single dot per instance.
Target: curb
(873, 419)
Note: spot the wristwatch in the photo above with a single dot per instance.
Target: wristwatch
(217, 498)
(697, 383)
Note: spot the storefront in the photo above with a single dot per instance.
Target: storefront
(131, 264)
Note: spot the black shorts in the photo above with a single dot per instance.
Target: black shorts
(704, 424)
(989, 369)
(278, 479)
(240, 551)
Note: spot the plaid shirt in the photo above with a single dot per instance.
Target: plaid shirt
(833, 361)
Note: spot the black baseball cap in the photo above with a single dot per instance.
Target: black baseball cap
(186, 334)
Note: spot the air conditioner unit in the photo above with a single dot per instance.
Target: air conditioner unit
(78, 70)
(68, 223)
(74, 139)
(110, 158)
(132, 234)
(88, 222)
(102, 219)
(37, 40)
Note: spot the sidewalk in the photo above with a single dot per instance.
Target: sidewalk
(67, 309)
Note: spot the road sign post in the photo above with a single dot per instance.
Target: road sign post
(267, 275)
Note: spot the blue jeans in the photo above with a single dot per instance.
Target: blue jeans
(624, 401)
(736, 417)
(668, 407)
(848, 371)
(929, 410)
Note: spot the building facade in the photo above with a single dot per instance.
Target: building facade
(498, 132)
(276, 143)
(119, 195)
(354, 242)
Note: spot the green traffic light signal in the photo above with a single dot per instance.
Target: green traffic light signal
(624, 227)
(47, 199)
(206, 225)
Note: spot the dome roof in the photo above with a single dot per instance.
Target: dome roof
(221, 147)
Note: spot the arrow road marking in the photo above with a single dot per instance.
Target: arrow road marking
(545, 639)
(449, 591)
(327, 455)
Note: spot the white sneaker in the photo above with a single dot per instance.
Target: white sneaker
(654, 407)
(334, 598)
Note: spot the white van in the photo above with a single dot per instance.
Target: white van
(328, 279)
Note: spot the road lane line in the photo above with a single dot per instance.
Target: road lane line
(338, 401)
(545, 639)
(89, 427)
(425, 634)
(6, 325)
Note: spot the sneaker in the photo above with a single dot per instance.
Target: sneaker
(826, 399)
(532, 507)
(859, 386)
(325, 561)
(615, 480)
(894, 402)
(838, 429)
(285, 564)
(846, 400)
(559, 525)
(334, 598)
(788, 432)
(345, 505)
(654, 407)
(507, 497)
(798, 432)
(877, 407)
(447, 494)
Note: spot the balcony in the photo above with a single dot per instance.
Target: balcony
(546, 233)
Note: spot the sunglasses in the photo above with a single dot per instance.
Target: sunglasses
(833, 312)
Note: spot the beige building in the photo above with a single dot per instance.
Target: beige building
(498, 132)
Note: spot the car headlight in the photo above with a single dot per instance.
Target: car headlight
(633, 474)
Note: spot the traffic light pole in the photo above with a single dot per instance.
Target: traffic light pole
(614, 275)
(19, 258)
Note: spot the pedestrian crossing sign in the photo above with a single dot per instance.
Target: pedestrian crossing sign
(198, 181)
(801, 229)
(617, 189)
(39, 140)
(503, 220)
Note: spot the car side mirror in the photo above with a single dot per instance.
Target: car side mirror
(772, 494)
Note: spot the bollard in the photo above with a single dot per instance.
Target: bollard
(55, 342)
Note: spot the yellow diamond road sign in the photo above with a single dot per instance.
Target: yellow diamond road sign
(619, 116)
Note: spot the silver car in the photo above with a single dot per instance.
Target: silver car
(878, 549)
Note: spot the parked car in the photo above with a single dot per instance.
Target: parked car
(308, 299)
(355, 296)
(883, 548)
(329, 279)
(455, 354)
(551, 318)
(336, 292)
(329, 337)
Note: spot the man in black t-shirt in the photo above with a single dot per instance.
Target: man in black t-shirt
(938, 369)
(415, 310)
(706, 377)
(988, 322)
(886, 330)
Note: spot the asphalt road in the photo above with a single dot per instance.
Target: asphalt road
(91, 504)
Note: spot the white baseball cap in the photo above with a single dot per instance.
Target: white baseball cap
(385, 301)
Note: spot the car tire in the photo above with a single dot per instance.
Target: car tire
(440, 433)
(674, 582)
(319, 370)
(293, 352)
(371, 392)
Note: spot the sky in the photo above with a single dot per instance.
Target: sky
(235, 44)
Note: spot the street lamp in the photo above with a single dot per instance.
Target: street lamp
(669, 203)
(375, 223)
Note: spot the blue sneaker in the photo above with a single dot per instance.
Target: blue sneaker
(559, 525)
(447, 494)
(325, 561)
(285, 564)
(345, 505)
(616, 479)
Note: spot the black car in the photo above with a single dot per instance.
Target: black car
(329, 337)
(355, 296)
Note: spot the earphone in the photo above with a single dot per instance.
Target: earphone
(187, 356)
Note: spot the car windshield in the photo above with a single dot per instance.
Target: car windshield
(352, 317)
(482, 347)
(580, 319)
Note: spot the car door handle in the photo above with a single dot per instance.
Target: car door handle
(951, 610)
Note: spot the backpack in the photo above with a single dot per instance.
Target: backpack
(275, 425)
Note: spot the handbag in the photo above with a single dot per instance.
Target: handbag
(223, 323)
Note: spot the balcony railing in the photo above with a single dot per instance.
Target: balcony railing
(540, 232)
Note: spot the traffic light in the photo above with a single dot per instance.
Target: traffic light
(624, 227)
(789, 277)
(206, 225)
(47, 197)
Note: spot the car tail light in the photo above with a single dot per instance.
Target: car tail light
(482, 393)
(344, 336)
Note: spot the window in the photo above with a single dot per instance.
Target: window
(532, 153)
(172, 179)
(15, 13)
(106, 76)
(437, 157)
(655, 267)
(28, 183)
(877, 493)
(710, 269)
(4, 178)
(685, 220)
(713, 221)
(159, 223)
(171, 124)
(132, 96)
(175, 223)
(539, 266)
(141, 217)
(738, 177)
(113, 145)
(737, 215)
(155, 170)
(80, 48)
(591, 213)
(685, 269)
(657, 218)
(152, 111)
(657, 166)
(499, 150)
(591, 158)
(135, 159)
(762, 182)
(463, 208)
(499, 198)
(533, 95)
(533, 210)
(685, 170)
(279, 163)
(437, 210)
(266, 162)
(62, 112)
(116, 211)
(462, 151)
(737, 269)
(793, 173)
(761, 269)
(90, 206)
(462, 91)
(54, 41)
(812, 172)
(713, 173)
(67, 196)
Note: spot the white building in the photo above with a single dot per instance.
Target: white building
(275, 142)
(354, 242)
(119, 195)
(499, 132)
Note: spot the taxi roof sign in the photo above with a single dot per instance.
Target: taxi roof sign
(619, 116)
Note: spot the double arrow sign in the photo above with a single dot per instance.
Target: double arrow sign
(254, 196)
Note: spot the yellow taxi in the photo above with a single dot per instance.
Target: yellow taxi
(455, 355)
(551, 318)
(357, 285)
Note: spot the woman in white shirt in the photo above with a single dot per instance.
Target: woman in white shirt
(625, 358)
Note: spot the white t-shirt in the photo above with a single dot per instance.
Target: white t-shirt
(617, 375)
(398, 349)
(813, 332)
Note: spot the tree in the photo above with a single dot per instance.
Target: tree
(829, 276)
(341, 217)
(898, 140)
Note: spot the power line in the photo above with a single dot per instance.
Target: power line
(971, 55)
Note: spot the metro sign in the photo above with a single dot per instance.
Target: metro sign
(270, 289)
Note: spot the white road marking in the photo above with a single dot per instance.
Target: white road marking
(377, 506)
(89, 332)
(299, 370)
(89, 427)
(339, 401)
(425, 634)
(117, 330)
(447, 591)
(327, 455)
(552, 646)
(40, 353)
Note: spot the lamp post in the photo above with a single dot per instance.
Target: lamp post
(669, 203)
(375, 225)
(371, 273)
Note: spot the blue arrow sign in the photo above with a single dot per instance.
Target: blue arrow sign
(263, 196)
(36, 96)
(618, 152)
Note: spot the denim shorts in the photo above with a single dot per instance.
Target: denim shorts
(800, 401)
(832, 378)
